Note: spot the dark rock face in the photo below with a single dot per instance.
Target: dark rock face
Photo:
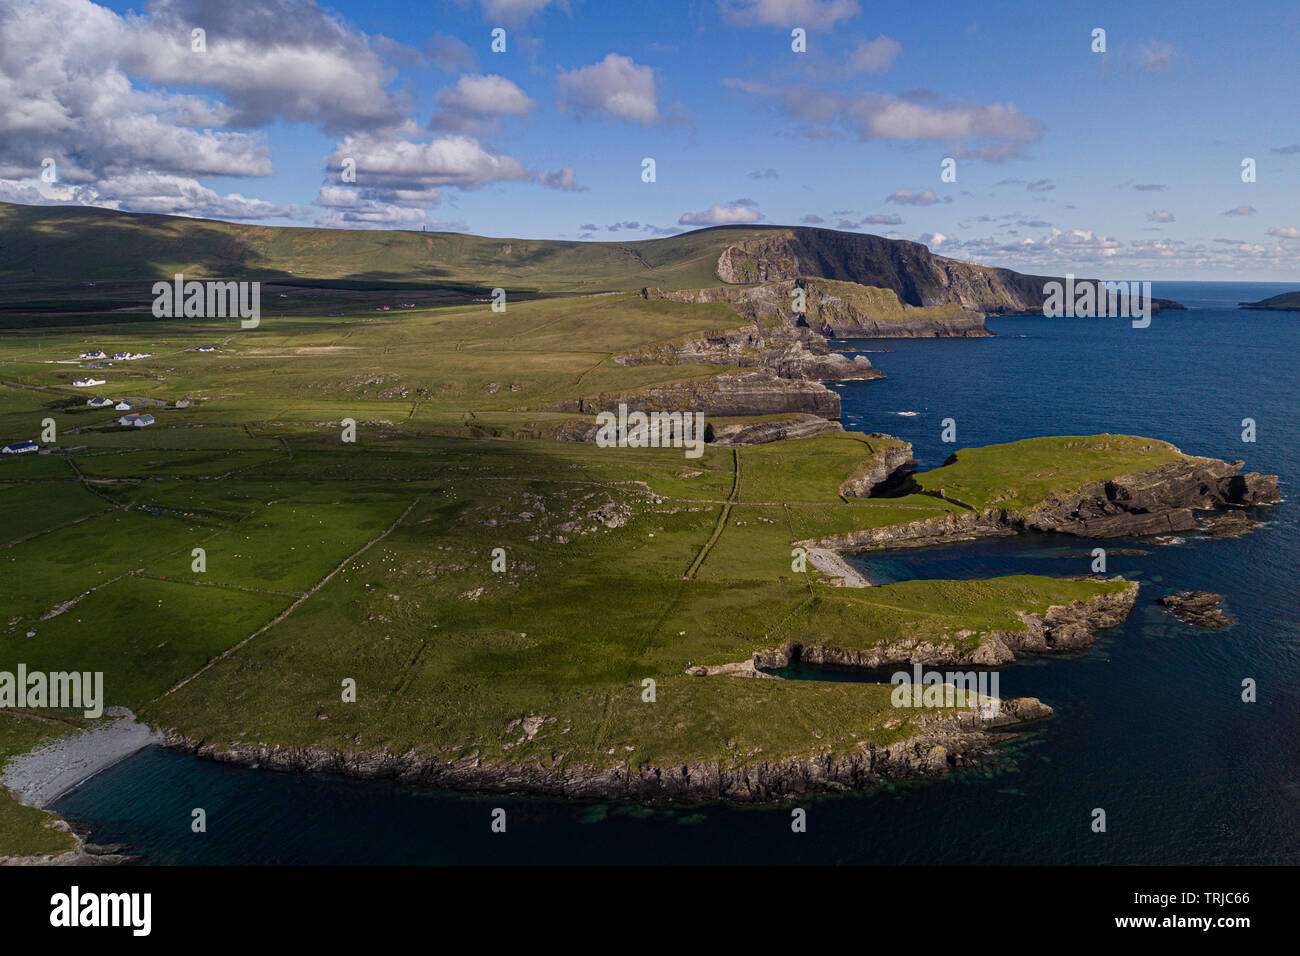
(944, 742)
(918, 276)
(731, 394)
(1155, 501)
(1198, 608)
(1062, 628)
(759, 433)
(1159, 501)
(853, 312)
(1228, 524)
(884, 468)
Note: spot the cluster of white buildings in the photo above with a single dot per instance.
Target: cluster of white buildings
(117, 356)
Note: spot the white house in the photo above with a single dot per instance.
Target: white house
(123, 406)
(96, 353)
(99, 402)
(135, 420)
(87, 382)
(20, 448)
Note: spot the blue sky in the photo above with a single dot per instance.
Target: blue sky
(1118, 164)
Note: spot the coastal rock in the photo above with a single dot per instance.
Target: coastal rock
(758, 433)
(731, 394)
(890, 462)
(1161, 500)
(911, 271)
(1060, 629)
(945, 741)
(1198, 608)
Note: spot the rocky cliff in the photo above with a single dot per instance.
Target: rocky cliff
(916, 275)
(1061, 628)
(840, 309)
(946, 740)
(1160, 500)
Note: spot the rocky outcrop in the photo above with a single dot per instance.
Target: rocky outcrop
(912, 272)
(760, 433)
(792, 353)
(1161, 500)
(892, 460)
(1060, 629)
(1198, 608)
(840, 309)
(945, 741)
(731, 394)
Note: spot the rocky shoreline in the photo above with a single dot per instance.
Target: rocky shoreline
(1162, 500)
(945, 742)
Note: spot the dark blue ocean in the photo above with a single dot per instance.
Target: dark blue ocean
(1149, 724)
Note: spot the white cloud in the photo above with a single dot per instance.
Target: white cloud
(992, 132)
(1160, 215)
(719, 215)
(616, 86)
(1241, 211)
(810, 14)
(478, 103)
(456, 160)
(512, 12)
(876, 56)
(1285, 232)
(148, 192)
(907, 197)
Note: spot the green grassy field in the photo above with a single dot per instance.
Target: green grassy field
(373, 561)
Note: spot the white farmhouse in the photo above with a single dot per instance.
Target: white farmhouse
(20, 448)
(135, 420)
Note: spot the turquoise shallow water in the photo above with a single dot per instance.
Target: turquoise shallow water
(1149, 722)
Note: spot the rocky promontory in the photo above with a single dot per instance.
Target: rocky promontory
(945, 740)
(1062, 628)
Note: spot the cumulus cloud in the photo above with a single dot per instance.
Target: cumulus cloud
(993, 132)
(1160, 215)
(564, 179)
(882, 220)
(512, 12)
(812, 219)
(742, 210)
(907, 197)
(875, 56)
(1285, 232)
(454, 160)
(616, 86)
(478, 103)
(810, 14)
(148, 192)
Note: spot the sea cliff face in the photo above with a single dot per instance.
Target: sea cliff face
(1060, 629)
(946, 740)
(840, 309)
(1158, 501)
(911, 271)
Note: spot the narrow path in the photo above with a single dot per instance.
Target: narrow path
(296, 604)
(722, 519)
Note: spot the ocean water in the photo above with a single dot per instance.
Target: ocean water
(1149, 722)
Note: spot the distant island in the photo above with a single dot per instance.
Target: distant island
(1286, 302)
